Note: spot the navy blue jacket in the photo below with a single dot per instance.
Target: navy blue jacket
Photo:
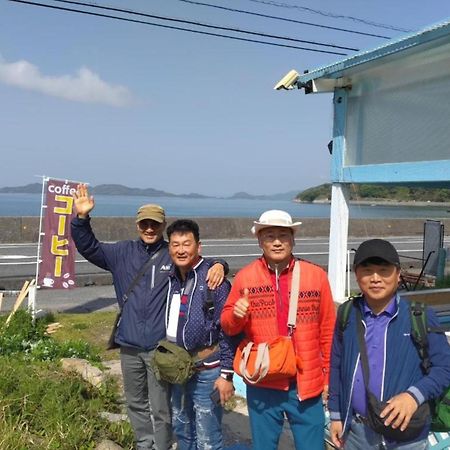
(142, 324)
(200, 327)
(402, 363)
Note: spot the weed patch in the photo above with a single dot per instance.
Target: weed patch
(41, 408)
(29, 342)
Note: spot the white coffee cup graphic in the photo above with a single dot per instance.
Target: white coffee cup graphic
(48, 282)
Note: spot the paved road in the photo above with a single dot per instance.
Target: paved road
(19, 260)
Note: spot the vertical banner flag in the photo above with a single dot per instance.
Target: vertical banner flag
(57, 266)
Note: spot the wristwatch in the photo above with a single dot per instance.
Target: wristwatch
(226, 376)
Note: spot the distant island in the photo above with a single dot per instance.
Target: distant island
(284, 196)
(378, 192)
(370, 193)
(118, 189)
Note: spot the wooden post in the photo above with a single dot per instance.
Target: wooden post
(20, 298)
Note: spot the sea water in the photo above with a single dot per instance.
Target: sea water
(123, 205)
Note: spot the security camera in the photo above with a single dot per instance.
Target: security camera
(289, 81)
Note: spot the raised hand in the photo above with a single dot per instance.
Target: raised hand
(84, 203)
(242, 305)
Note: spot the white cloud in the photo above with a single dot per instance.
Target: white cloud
(85, 86)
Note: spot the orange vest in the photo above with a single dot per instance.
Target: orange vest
(315, 321)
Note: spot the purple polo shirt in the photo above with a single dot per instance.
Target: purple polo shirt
(376, 326)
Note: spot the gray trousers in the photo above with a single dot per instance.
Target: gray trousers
(148, 400)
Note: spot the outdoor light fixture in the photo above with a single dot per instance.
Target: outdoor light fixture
(290, 81)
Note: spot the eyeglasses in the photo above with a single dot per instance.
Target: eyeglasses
(149, 223)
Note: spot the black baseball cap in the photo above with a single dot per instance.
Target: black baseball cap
(376, 248)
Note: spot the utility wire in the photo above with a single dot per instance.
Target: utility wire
(285, 19)
(175, 28)
(214, 27)
(330, 14)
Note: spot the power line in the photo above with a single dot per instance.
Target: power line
(90, 13)
(330, 14)
(190, 22)
(285, 19)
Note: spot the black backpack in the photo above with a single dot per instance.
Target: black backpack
(440, 407)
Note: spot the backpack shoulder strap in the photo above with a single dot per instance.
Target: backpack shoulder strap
(419, 332)
(343, 315)
(208, 306)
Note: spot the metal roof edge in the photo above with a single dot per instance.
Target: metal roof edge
(408, 41)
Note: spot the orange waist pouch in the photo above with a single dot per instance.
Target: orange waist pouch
(266, 361)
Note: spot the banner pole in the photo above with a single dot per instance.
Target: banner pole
(33, 290)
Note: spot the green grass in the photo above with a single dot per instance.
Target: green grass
(42, 407)
(93, 328)
(29, 341)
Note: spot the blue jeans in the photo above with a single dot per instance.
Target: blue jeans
(362, 437)
(267, 409)
(196, 420)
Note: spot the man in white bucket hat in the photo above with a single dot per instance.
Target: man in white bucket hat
(274, 217)
(258, 307)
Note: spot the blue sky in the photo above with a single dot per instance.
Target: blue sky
(104, 101)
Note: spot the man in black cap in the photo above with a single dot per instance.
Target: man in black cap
(140, 270)
(396, 375)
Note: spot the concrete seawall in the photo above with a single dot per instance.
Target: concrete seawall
(26, 229)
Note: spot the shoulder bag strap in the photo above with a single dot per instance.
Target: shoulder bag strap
(362, 347)
(261, 362)
(141, 272)
(293, 299)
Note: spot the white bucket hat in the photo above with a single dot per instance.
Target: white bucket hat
(274, 218)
